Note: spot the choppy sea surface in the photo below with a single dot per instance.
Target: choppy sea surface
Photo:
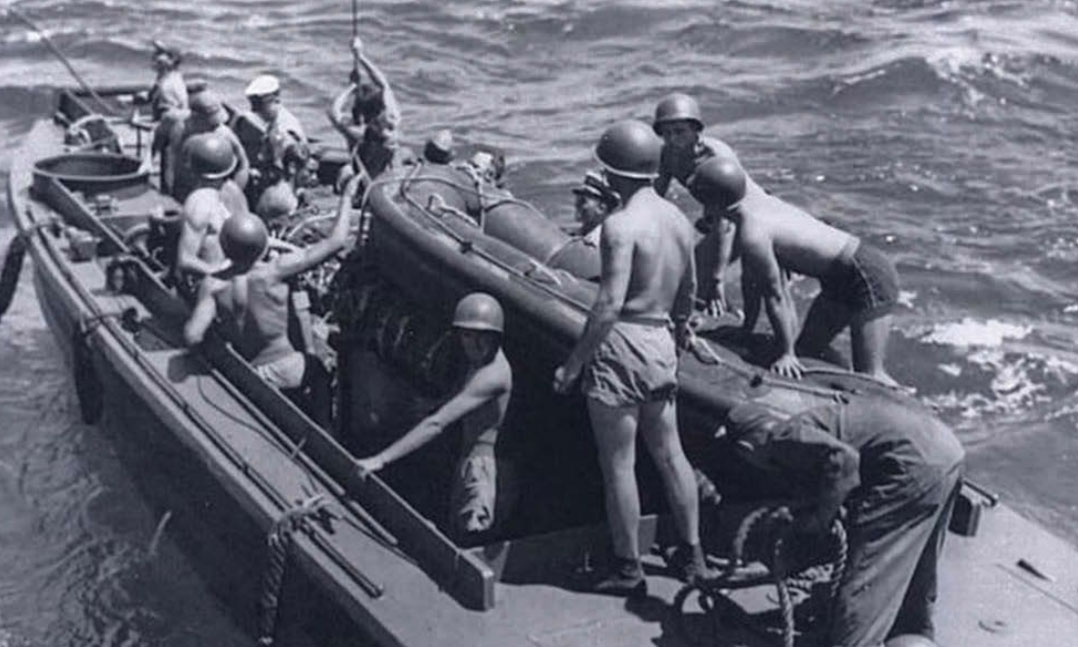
(943, 131)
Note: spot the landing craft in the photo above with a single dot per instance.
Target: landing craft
(350, 560)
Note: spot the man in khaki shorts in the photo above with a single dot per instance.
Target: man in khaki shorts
(627, 357)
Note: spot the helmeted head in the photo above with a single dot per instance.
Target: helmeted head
(719, 182)
(439, 148)
(675, 107)
(207, 108)
(479, 311)
(264, 95)
(210, 156)
(244, 238)
(629, 149)
(479, 322)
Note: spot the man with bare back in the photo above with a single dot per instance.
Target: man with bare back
(859, 285)
(253, 294)
(627, 359)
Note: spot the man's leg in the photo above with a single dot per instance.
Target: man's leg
(825, 320)
(868, 343)
(915, 615)
(615, 437)
(884, 553)
(658, 427)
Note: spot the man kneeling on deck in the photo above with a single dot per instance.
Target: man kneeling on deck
(479, 404)
(255, 294)
(897, 470)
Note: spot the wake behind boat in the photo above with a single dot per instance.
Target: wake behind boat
(237, 460)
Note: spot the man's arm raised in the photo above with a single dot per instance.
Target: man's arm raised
(293, 263)
(389, 99)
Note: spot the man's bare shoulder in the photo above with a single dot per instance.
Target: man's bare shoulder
(199, 204)
(754, 235)
(494, 378)
(717, 147)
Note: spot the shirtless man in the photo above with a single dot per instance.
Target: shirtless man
(677, 121)
(206, 209)
(859, 284)
(627, 354)
(371, 127)
(254, 294)
(479, 404)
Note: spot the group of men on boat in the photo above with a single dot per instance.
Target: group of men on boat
(895, 469)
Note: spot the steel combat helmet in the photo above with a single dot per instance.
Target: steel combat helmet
(718, 181)
(244, 238)
(630, 149)
(479, 311)
(210, 156)
(677, 106)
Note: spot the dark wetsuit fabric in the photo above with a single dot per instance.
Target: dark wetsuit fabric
(636, 363)
(864, 280)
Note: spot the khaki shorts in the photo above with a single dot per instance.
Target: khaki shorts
(636, 363)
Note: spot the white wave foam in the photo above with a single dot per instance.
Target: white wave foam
(970, 332)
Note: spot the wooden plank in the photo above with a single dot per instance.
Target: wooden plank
(462, 574)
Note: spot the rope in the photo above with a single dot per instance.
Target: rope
(280, 542)
(774, 524)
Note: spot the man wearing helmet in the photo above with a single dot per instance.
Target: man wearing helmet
(479, 404)
(626, 358)
(253, 294)
(372, 127)
(678, 122)
(206, 208)
(206, 114)
(859, 285)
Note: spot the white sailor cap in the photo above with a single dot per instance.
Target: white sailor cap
(262, 86)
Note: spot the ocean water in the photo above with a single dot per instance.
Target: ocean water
(943, 131)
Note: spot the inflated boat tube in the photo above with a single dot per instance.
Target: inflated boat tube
(516, 222)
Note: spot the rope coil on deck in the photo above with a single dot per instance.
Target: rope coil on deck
(772, 525)
(280, 542)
